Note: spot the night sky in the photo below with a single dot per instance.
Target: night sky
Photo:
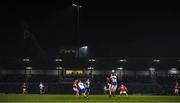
(127, 28)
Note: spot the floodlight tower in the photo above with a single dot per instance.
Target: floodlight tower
(78, 30)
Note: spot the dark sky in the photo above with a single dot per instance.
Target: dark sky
(127, 28)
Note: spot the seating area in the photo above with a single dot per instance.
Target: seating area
(137, 79)
(16, 78)
(12, 78)
(42, 78)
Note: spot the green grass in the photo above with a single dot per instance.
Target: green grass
(92, 98)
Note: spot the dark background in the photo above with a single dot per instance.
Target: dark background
(110, 29)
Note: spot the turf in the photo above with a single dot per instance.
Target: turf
(92, 98)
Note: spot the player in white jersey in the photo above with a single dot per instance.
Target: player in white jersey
(87, 86)
(82, 89)
(114, 83)
(41, 87)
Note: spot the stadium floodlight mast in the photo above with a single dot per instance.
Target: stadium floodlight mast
(28, 68)
(90, 68)
(59, 68)
(84, 47)
(92, 60)
(25, 60)
(152, 69)
(75, 5)
(58, 60)
(173, 71)
(122, 60)
(120, 68)
(156, 60)
(78, 30)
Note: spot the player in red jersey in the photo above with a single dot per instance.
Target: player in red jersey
(75, 87)
(108, 79)
(176, 88)
(122, 90)
(24, 88)
(108, 86)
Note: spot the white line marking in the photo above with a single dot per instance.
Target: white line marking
(89, 102)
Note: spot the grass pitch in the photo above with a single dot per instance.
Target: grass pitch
(36, 98)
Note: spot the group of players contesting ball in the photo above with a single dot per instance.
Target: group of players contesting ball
(110, 87)
(80, 87)
(83, 88)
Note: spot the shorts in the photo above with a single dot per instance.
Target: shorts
(87, 90)
(109, 86)
(83, 90)
(106, 91)
(75, 89)
(114, 86)
(176, 90)
(24, 89)
(123, 92)
(114, 83)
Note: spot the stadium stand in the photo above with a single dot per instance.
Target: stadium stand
(136, 76)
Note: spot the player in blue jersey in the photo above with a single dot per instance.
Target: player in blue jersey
(87, 86)
(114, 83)
(82, 89)
(107, 88)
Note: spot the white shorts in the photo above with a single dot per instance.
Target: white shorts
(123, 92)
(24, 89)
(75, 89)
(176, 91)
